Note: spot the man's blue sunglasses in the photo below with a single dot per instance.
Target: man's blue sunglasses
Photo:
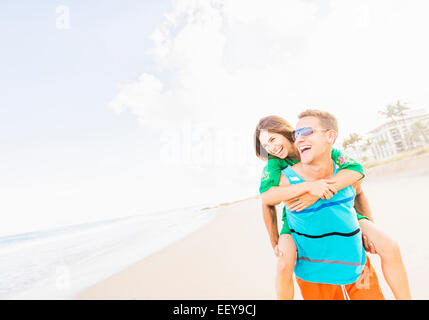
(306, 131)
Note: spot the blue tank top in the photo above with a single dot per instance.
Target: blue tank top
(328, 238)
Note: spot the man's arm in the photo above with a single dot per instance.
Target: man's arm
(361, 202)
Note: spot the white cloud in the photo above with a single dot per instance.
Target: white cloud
(228, 63)
(193, 46)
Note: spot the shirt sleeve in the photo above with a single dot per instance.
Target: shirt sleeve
(345, 162)
(285, 228)
(360, 217)
(270, 175)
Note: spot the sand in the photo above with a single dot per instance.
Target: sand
(231, 257)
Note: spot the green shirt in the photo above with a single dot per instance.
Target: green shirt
(273, 170)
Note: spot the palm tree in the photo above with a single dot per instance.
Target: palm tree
(366, 145)
(401, 109)
(352, 141)
(419, 129)
(395, 111)
(354, 138)
(390, 112)
(411, 138)
(346, 144)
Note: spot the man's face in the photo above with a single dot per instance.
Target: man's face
(315, 144)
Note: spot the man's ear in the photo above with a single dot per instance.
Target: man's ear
(332, 136)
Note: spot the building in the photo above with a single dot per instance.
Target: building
(393, 137)
(397, 136)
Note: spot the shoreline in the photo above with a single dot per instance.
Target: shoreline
(193, 263)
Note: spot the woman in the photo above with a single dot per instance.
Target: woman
(274, 142)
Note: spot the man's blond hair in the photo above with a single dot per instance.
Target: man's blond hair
(327, 120)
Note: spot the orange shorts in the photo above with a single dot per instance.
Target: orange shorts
(365, 288)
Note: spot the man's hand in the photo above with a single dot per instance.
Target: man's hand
(323, 188)
(302, 202)
(368, 245)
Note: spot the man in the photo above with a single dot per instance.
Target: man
(331, 261)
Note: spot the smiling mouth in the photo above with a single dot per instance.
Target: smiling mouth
(279, 152)
(304, 149)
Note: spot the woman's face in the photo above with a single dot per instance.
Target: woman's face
(275, 144)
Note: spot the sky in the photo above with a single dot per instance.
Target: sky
(118, 108)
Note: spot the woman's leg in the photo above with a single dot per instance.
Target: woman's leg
(285, 265)
(391, 260)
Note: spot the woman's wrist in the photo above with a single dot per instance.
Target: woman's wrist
(275, 242)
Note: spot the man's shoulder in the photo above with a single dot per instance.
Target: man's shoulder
(291, 173)
(293, 167)
(284, 181)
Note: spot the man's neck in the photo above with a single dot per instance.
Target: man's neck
(293, 153)
(321, 168)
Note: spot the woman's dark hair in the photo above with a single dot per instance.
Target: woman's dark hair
(273, 124)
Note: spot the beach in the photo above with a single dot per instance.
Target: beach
(231, 257)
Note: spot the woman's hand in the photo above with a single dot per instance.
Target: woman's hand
(277, 251)
(302, 202)
(323, 189)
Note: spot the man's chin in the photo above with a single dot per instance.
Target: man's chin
(306, 159)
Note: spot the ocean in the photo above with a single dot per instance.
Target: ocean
(61, 262)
